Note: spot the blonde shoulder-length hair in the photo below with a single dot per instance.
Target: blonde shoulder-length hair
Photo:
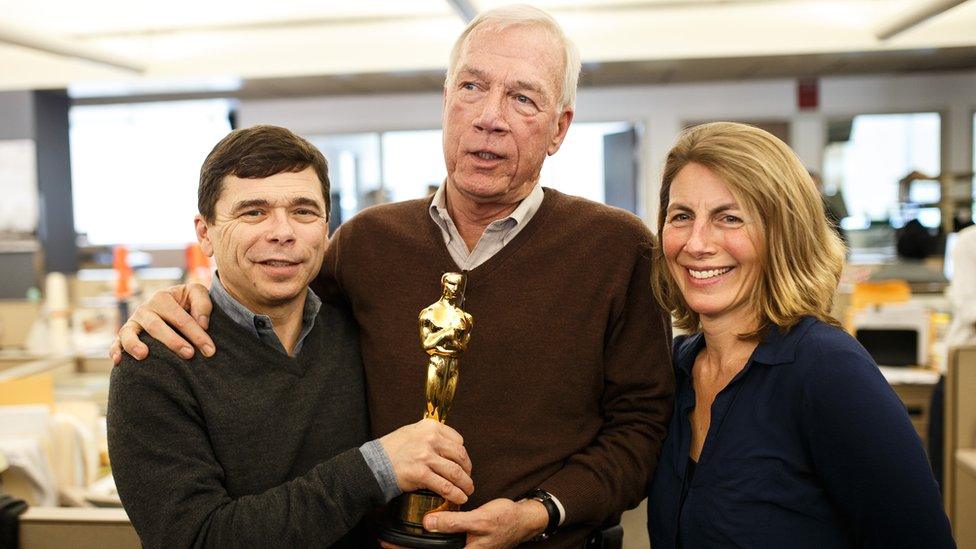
(801, 256)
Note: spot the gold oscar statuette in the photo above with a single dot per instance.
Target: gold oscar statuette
(445, 329)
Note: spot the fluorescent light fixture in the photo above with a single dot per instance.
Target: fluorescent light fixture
(32, 39)
(154, 86)
(918, 14)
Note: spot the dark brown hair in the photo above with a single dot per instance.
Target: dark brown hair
(254, 153)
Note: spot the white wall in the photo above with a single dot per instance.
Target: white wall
(664, 109)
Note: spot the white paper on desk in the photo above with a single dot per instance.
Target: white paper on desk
(18, 183)
(909, 376)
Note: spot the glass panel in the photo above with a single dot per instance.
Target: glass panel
(866, 163)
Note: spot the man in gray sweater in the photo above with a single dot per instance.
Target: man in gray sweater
(265, 442)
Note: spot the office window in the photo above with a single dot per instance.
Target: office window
(868, 155)
(354, 171)
(135, 169)
(577, 168)
(413, 162)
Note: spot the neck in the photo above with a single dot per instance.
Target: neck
(726, 354)
(286, 318)
(471, 217)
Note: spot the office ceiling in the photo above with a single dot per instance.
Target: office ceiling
(304, 47)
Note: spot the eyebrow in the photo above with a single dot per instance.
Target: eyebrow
(519, 84)
(264, 203)
(717, 209)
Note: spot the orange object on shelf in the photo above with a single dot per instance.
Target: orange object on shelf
(198, 265)
(877, 292)
(120, 262)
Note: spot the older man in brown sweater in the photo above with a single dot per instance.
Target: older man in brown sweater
(566, 385)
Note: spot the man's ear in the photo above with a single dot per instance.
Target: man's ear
(203, 235)
(562, 126)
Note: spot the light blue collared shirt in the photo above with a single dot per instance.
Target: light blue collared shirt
(260, 326)
(497, 234)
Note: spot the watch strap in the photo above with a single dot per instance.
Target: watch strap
(545, 499)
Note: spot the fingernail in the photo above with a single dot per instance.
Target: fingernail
(208, 350)
(203, 320)
(430, 523)
(115, 357)
(186, 352)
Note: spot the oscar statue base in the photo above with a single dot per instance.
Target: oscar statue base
(403, 524)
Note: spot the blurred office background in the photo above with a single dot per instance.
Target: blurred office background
(107, 109)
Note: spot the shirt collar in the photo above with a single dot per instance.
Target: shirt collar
(522, 214)
(777, 347)
(246, 318)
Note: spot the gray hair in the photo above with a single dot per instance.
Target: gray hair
(522, 14)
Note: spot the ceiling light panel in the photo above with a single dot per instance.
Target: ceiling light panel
(67, 17)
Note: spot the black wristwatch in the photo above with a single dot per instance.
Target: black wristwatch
(545, 499)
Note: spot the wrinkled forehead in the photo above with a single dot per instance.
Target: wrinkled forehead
(282, 187)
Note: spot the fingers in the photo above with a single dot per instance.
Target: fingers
(443, 487)
(148, 321)
(497, 523)
(200, 305)
(454, 452)
(450, 522)
(115, 351)
(428, 454)
(129, 339)
(172, 305)
(454, 474)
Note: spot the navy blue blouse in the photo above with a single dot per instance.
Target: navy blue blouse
(808, 446)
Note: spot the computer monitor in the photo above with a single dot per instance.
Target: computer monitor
(895, 334)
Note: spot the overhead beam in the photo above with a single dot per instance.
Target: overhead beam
(31, 39)
(910, 18)
(464, 9)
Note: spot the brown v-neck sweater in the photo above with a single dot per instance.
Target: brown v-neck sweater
(567, 381)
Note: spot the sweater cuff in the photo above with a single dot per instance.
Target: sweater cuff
(581, 499)
(381, 466)
(559, 506)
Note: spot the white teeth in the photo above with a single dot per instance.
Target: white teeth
(701, 275)
(278, 263)
(487, 156)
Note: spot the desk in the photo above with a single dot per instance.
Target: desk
(79, 528)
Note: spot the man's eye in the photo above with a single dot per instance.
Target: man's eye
(306, 212)
(523, 99)
(253, 213)
(678, 217)
(731, 219)
(469, 86)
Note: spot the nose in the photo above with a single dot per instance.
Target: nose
(700, 242)
(492, 116)
(280, 228)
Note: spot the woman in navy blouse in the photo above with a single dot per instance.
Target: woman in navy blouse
(785, 433)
